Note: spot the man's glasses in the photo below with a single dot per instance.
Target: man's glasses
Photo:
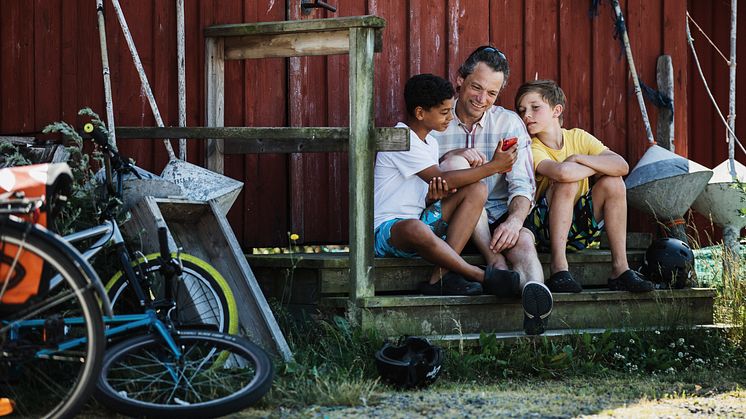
(490, 49)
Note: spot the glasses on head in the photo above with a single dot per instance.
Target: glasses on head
(490, 49)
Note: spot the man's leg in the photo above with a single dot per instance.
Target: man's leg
(481, 236)
(525, 260)
(561, 198)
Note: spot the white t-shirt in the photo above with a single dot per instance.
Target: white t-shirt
(398, 192)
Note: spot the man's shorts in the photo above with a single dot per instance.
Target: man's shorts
(431, 216)
(584, 229)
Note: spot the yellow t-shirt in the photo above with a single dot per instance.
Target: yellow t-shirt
(575, 141)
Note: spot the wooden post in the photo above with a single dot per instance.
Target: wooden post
(214, 99)
(362, 156)
(665, 128)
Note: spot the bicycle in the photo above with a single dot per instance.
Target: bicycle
(31, 363)
(166, 372)
(203, 295)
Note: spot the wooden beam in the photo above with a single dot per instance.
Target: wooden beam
(362, 156)
(665, 78)
(294, 26)
(288, 45)
(214, 99)
(250, 140)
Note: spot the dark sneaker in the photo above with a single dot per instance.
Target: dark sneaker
(502, 283)
(563, 281)
(537, 306)
(451, 284)
(631, 281)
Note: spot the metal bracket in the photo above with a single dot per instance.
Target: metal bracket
(308, 6)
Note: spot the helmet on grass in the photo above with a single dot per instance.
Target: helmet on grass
(669, 263)
(413, 363)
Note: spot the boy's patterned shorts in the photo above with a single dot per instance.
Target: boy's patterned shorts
(584, 229)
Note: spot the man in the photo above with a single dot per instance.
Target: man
(476, 130)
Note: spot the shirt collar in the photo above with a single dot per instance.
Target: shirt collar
(480, 122)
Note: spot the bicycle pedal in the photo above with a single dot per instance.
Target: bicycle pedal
(54, 330)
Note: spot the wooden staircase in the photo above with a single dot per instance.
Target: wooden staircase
(320, 282)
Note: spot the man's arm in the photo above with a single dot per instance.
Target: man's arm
(473, 156)
(501, 161)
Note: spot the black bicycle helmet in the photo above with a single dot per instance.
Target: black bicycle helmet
(412, 363)
(669, 263)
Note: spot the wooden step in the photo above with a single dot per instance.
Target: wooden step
(448, 315)
(311, 275)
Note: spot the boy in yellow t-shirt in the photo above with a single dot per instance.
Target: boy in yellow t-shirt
(569, 213)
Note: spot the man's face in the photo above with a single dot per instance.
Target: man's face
(438, 117)
(478, 91)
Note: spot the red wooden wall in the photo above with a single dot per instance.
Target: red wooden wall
(50, 67)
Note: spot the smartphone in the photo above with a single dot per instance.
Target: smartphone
(508, 142)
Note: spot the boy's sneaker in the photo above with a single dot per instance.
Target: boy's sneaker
(631, 281)
(537, 306)
(451, 284)
(502, 283)
(563, 281)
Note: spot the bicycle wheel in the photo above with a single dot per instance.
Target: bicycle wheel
(42, 379)
(217, 375)
(203, 297)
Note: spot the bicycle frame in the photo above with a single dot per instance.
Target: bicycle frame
(126, 322)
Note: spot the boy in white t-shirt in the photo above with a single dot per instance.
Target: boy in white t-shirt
(421, 210)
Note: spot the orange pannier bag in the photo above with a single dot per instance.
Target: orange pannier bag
(44, 182)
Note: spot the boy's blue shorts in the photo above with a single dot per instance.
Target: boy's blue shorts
(584, 230)
(431, 216)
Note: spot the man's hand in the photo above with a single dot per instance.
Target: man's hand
(505, 159)
(473, 157)
(437, 190)
(505, 235)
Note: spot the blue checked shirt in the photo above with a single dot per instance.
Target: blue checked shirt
(496, 124)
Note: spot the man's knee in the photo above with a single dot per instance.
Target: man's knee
(476, 191)
(524, 249)
(454, 163)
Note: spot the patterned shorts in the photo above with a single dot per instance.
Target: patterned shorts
(584, 229)
(432, 216)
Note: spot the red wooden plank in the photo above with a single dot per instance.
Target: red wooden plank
(17, 67)
(674, 27)
(162, 74)
(610, 91)
(309, 184)
(428, 38)
(507, 34)
(47, 71)
(641, 16)
(391, 62)
(84, 61)
(576, 70)
(699, 106)
(265, 193)
(540, 40)
(468, 28)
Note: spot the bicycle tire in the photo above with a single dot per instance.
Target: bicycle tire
(220, 310)
(59, 383)
(137, 377)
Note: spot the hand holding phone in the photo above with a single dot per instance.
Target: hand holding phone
(509, 142)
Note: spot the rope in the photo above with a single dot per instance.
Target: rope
(688, 16)
(690, 40)
(659, 99)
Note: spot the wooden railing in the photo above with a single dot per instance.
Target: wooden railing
(359, 37)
